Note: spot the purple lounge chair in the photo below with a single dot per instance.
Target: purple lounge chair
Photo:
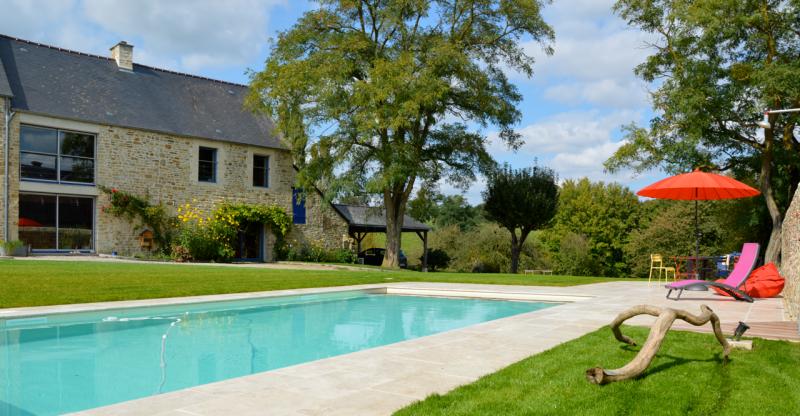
(741, 271)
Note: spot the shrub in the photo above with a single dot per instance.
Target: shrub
(315, 253)
(214, 237)
(437, 259)
(487, 249)
(141, 213)
(574, 257)
(7, 248)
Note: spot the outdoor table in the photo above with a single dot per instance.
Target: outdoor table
(706, 270)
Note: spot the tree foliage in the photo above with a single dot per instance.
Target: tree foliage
(424, 206)
(520, 199)
(604, 214)
(377, 95)
(718, 64)
(668, 229)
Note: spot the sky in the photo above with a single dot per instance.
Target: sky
(572, 109)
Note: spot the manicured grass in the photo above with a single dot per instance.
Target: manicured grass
(410, 243)
(33, 283)
(686, 378)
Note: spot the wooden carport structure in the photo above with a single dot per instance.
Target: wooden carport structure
(363, 220)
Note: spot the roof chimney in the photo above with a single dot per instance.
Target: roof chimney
(123, 54)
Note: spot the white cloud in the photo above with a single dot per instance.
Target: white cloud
(198, 34)
(595, 56)
(184, 35)
(567, 131)
(605, 92)
(585, 162)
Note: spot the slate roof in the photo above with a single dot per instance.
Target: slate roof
(62, 83)
(373, 219)
(5, 89)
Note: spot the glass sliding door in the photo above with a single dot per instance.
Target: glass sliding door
(56, 222)
(37, 221)
(75, 218)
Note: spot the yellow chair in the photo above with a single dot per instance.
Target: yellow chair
(657, 264)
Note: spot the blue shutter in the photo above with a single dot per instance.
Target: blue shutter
(298, 206)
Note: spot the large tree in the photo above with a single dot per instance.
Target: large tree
(521, 201)
(717, 65)
(377, 94)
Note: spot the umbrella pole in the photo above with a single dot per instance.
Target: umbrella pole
(697, 240)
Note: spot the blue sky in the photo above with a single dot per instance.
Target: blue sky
(573, 106)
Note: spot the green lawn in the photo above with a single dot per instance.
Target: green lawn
(33, 283)
(686, 378)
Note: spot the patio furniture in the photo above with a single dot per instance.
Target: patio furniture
(741, 271)
(657, 264)
(696, 267)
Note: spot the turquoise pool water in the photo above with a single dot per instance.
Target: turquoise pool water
(63, 363)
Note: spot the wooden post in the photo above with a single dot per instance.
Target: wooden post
(359, 237)
(424, 236)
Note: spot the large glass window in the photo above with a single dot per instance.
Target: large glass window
(56, 222)
(261, 171)
(56, 155)
(207, 165)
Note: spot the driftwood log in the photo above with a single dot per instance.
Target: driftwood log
(666, 316)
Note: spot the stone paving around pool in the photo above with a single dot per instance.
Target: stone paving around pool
(381, 380)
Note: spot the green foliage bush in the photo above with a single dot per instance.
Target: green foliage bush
(487, 249)
(308, 252)
(604, 214)
(213, 238)
(437, 259)
(573, 257)
(141, 213)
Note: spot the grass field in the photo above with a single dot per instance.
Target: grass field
(33, 283)
(686, 378)
(410, 243)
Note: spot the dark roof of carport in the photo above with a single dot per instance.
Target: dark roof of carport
(373, 220)
(61, 83)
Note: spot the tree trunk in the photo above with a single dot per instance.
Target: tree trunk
(773, 252)
(395, 210)
(515, 249)
(666, 316)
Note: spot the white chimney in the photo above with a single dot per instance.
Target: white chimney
(123, 54)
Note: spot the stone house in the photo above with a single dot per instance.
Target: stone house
(72, 122)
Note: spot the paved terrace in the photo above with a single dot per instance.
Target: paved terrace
(381, 380)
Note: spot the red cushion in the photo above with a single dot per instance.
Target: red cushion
(764, 282)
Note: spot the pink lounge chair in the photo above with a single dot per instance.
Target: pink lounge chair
(741, 271)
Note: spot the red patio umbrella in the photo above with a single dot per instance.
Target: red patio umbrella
(698, 186)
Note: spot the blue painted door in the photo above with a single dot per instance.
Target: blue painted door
(298, 206)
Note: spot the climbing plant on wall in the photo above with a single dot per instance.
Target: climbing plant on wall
(140, 212)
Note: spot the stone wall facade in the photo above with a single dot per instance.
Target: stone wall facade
(3, 101)
(790, 257)
(164, 168)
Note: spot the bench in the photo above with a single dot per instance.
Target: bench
(539, 271)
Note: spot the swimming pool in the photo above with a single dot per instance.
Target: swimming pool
(64, 363)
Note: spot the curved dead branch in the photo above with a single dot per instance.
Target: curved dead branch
(666, 316)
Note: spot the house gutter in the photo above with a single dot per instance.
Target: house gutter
(6, 138)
